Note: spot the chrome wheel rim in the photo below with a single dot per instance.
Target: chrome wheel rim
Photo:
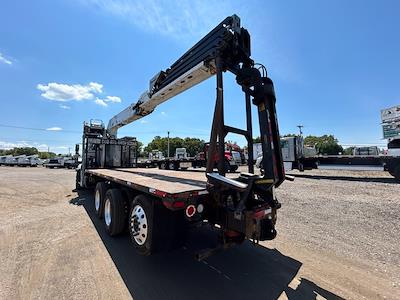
(139, 226)
(107, 212)
(97, 200)
(171, 166)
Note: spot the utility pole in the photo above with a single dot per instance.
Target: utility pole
(168, 145)
(300, 127)
(301, 144)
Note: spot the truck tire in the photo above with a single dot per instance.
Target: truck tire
(78, 180)
(234, 168)
(163, 165)
(171, 166)
(152, 227)
(99, 195)
(114, 212)
(396, 173)
(227, 166)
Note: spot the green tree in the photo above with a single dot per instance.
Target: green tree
(192, 145)
(20, 151)
(348, 151)
(326, 144)
(46, 155)
(257, 139)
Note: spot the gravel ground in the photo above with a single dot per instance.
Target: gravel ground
(338, 236)
(356, 218)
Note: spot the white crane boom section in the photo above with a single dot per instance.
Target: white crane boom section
(148, 102)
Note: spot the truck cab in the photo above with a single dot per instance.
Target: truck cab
(181, 153)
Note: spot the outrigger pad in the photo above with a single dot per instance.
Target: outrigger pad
(215, 178)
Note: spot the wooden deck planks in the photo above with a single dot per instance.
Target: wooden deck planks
(172, 182)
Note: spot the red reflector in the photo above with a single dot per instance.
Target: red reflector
(167, 204)
(159, 193)
(172, 205)
(190, 211)
(262, 213)
(178, 204)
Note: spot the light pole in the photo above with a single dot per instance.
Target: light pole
(300, 127)
(168, 145)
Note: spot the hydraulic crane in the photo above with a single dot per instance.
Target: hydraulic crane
(240, 205)
(225, 48)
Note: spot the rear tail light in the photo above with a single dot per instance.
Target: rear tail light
(190, 210)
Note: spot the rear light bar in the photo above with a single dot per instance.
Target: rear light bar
(260, 214)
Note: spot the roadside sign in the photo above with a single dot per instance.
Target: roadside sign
(390, 114)
(391, 130)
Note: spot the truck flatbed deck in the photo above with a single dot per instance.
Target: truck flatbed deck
(170, 182)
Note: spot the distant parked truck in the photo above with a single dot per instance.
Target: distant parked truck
(296, 156)
(365, 151)
(71, 162)
(10, 161)
(181, 153)
(181, 160)
(4, 159)
(28, 161)
(57, 162)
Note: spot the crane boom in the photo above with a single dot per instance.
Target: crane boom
(245, 206)
(225, 48)
(147, 102)
(227, 39)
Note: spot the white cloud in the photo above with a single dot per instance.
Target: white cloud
(61, 92)
(177, 19)
(5, 60)
(97, 87)
(54, 129)
(163, 113)
(101, 102)
(113, 99)
(64, 92)
(143, 122)
(10, 145)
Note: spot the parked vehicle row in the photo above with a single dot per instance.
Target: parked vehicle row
(20, 161)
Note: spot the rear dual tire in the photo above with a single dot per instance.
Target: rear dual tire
(99, 195)
(152, 227)
(114, 212)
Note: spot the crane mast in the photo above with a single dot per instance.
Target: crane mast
(225, 48)
(196, 65)
(245, 206)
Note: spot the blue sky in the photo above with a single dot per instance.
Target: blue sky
(335, 64)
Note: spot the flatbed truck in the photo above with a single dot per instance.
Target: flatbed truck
(183, 162)
(294, 154)
(157, 205)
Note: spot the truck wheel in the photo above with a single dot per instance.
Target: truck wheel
(227, 166)
(234, 168)
(154, 228)
(78, 180)
(163, 166)
(397, 173)
(99, 194)
(171, 166)
(141, 224)
(114, 212)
